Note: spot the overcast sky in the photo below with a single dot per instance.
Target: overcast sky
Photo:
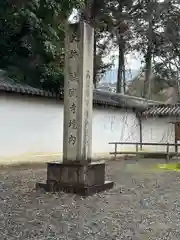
(133, 61)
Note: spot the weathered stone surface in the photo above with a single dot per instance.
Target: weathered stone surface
(76, 178)
(96, 173)
(80, 190)
(76, 174)
(78, 92)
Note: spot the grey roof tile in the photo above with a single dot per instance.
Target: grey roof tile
(99, 97)
(162, 110)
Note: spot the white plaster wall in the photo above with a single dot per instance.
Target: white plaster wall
(110, 125)
(159, 130)
(31, 129)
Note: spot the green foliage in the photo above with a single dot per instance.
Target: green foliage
(32, 41)
(32, 37)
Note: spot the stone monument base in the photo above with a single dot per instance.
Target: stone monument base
(78, 178)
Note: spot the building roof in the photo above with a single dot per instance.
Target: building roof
(122, 100)
(99, 97)
(162, 111)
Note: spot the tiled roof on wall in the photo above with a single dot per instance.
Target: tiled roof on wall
(99, 97)
(121, 100)
(9, 85)
(162, 110)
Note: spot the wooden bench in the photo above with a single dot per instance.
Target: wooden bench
(138, 146)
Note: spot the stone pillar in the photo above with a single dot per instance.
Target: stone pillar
(77, 173)
(78, 93)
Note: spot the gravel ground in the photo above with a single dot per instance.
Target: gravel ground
(144, 204)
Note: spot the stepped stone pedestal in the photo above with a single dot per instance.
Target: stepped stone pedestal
(76, 178)
(77, 173)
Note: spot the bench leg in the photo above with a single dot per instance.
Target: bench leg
(177, 158)
(167, 158)
(115, 156)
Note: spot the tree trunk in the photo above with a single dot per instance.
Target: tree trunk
(120, 87)
(148, 74)
(124, 73)
(178, 90)
(148, 59)
(119, 75)
(94, 63)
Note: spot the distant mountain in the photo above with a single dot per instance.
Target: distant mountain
(111, 76)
